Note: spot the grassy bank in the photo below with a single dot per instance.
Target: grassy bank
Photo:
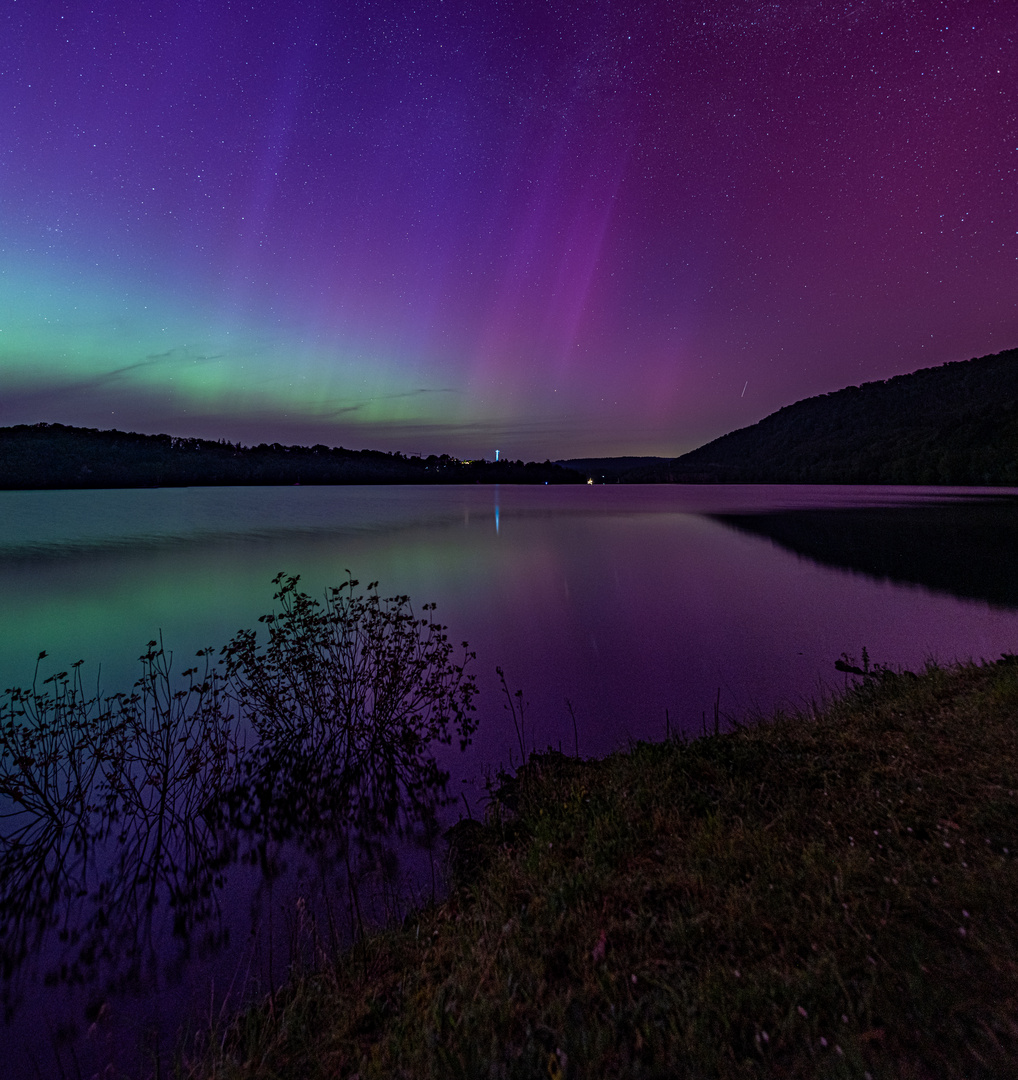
(831, 894)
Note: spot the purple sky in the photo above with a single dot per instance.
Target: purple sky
(555, 229)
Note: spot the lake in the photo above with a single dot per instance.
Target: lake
(619, 612)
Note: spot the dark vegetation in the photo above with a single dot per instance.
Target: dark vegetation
(955, 424)
(966, 549)
(56, 456)
(115, 809)
(829, 894)
(606, 470)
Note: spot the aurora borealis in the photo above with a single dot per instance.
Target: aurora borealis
(556, 229)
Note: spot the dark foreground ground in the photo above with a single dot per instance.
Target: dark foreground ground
(824, 895)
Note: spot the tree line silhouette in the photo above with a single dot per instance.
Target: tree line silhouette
(59, 456)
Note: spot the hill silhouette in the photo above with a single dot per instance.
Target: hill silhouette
(47, 456)
(954, 424)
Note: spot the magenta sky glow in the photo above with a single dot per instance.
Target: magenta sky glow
(555, 229)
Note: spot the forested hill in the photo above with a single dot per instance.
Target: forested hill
(955, 424)
(56, 456)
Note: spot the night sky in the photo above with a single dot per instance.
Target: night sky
(555, 229)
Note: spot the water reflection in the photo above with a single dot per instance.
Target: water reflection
(105, 814)
(611, 608)
(964, 549)
(116, 810)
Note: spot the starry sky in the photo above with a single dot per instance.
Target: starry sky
(556, 229)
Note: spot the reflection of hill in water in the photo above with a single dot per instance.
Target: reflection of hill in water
(966, 549)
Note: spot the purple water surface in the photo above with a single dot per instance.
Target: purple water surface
(629, 603)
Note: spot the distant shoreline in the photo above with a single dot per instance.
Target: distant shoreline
(954, 425)
(45, 457)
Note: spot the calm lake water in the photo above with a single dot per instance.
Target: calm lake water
(629, 603)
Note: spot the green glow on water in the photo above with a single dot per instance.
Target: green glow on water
(625, 602)
(104, 606)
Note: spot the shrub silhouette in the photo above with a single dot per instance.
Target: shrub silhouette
(346, 697)
(320, 735)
